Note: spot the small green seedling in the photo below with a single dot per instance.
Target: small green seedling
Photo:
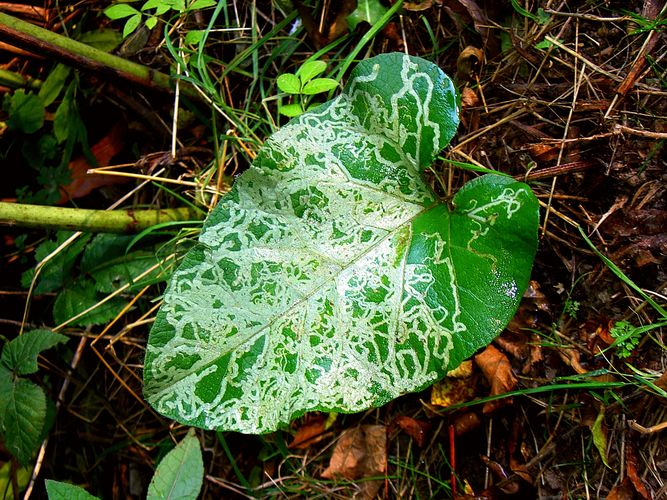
(134, 16)
(303, 85)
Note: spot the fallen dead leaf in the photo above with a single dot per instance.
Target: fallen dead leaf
(308, 434)
(622, 491)
(466, 423)
(83, 183)
(498, 372)
(469, 63)
(572, 358)
(416, 429)
(631, 462)
(450, 391)
(419, 5)
(360, 452)
(464, 370)
(469, 98)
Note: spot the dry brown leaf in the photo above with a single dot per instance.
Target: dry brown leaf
(83, 183)
(416, 429)
(469, 63)
(464, 370)
(360, 452)
(631, 461)
(466, 423)
(572, 358)
(498, 372)
(479, 19)
(622, 491)
(469, 98)
(419, 5)
(450, 391)
(308, 433)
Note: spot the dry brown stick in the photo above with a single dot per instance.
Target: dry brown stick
(545, 173)
(619, 129)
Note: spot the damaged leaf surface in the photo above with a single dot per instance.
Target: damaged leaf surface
(331, 277)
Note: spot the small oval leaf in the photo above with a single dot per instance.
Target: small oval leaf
(319, 85)
(331, 277)
(310, 70)
(289, 83)
(57, 490)
(120, 11)
(180, 473)
(291, 110)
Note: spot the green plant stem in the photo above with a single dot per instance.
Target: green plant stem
(92, 221)
(82, 56)
(15, 81)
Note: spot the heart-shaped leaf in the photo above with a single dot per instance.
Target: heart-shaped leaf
(331, 277)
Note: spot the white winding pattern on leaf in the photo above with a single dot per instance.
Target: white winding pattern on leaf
(303, 296)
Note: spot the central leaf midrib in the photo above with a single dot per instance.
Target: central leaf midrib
(252, 335)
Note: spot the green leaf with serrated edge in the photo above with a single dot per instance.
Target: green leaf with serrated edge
(120, 11)
(291, 110)
(180, 473)
(331, 277)
(369, 11)
(319, 85)
(23, 419)
(289, 83)
(77, 298)
(310, 70)
(57, 490)
(22, 477)
(20, 354)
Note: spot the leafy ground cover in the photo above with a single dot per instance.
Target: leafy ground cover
(568, 402)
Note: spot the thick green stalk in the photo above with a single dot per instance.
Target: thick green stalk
(92, 221)
(82, 56)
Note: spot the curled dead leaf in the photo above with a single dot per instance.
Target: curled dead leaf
(416, 429)
(498, 372)
(469, 63)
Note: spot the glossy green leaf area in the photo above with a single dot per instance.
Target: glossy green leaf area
(331, 277)
(179, 476)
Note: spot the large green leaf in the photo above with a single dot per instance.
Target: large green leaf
(22, 420)
(331, 277)
(181, 472)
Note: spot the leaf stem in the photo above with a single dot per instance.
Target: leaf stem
(82, 56)
(94, 221)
